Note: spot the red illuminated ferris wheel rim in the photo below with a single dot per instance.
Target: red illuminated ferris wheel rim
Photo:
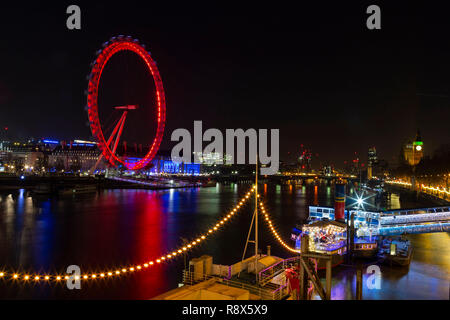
(115, 45)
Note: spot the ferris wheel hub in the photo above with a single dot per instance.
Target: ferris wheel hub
(127, 107)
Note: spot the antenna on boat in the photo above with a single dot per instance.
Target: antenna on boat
(254, 220)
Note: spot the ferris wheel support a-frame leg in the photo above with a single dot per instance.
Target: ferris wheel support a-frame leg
(124, 116)
(118, 127)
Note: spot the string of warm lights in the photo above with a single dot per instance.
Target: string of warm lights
(273, 229)
(18, 276)
(435, 189)
(400, 182)
(424, 187)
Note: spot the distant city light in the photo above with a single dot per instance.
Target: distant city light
(85, 142)
(50, 141)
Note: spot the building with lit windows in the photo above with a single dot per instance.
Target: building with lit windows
(212, 158)
(79, 156)
(371, 162)
(413, 151)
(20, 157)
(74, 157)
(372, 156)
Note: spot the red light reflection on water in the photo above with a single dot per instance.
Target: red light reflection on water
(316, 200)
(149, 240)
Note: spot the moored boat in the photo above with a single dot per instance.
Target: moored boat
(210, 183)
(78, 189)
(326, 237)
(365, 248)
(395, 252)
(43, 189)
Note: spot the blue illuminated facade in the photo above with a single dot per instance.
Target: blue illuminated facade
(170, 167)
(164, 164)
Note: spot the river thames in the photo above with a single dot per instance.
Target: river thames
(115, 228)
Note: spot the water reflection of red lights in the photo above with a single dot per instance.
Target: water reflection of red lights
(152, 210)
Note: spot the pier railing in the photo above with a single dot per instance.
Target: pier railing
(267, 274)
(277, 292)
(426, 217)
(392, 230)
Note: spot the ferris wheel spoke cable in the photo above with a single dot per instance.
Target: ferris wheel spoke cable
(109, 125)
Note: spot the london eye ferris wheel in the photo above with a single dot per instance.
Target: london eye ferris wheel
(108, 140)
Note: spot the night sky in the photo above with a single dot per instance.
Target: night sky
(314, 72)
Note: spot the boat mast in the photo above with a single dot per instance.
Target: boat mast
(256, 219)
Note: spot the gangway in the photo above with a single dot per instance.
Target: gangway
(393, 222)
(391, 230)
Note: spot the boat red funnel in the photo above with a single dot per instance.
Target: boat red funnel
(339, 202)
